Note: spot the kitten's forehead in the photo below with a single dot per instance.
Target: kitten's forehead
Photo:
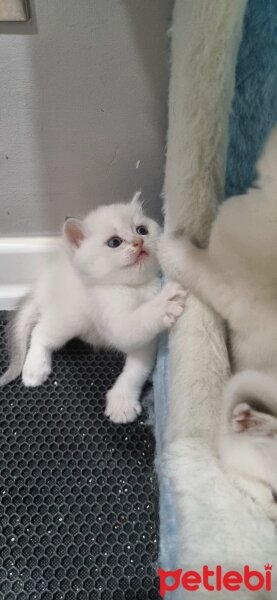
(115, 218)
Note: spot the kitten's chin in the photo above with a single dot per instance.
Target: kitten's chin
(141, 271)
(137, 273)
(133, 276)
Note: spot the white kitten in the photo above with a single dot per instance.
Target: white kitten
(102, 287)
(237, 276)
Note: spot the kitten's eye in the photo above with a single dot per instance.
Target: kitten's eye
(142, 230)
(114, 242)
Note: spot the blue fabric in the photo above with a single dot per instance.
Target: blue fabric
(254, 112)
(168, 524)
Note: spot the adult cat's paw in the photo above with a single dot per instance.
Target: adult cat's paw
(171, 303)
(121, 406)
(172, 251)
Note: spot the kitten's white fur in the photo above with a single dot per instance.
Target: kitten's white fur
(237, 276)
(109, 297)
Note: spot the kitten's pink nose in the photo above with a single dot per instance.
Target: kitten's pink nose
(138, 243)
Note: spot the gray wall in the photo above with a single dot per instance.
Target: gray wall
(83, 94)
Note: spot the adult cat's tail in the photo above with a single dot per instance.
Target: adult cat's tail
(20, 329)
(258, 390)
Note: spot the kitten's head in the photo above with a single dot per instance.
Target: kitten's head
(115, 244)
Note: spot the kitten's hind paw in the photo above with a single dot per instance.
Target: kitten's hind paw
(121, 407)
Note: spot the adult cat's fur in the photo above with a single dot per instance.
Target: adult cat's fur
(107, 296)
(237, 276)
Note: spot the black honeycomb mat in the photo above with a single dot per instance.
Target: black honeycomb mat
(78, 502)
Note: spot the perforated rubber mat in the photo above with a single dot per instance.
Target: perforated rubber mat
(78, 505)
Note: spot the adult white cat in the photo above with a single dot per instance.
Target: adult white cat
(237, 276)
(102, 287)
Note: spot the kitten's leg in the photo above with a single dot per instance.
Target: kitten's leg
(193, 268)
(131, 331)
(123, 404)
(44, 340)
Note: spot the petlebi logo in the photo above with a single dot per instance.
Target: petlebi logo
(215, 580)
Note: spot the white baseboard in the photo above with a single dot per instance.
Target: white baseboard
(21, 260)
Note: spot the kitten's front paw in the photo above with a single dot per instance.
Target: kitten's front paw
(35, 372)
(121, 407)
(171, 303)
(172, 252)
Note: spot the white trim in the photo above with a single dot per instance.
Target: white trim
(10, 294)
(28, 244)
(21, 260)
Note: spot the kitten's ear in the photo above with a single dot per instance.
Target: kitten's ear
(137, 200)
(74, 232)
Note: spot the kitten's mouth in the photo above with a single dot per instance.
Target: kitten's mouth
(141, 256)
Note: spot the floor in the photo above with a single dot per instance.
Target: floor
(78, 495)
